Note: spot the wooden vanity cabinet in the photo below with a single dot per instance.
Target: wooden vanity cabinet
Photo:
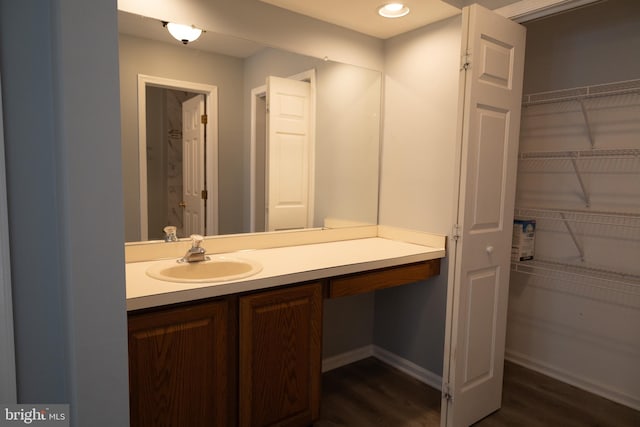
(252, 360)
(280, 356)
(183, 361)
(182, 365)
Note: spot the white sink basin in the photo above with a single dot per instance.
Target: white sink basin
(216, 269)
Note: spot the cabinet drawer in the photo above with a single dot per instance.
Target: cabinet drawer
(359, 283)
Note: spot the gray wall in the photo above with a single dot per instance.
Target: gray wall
(417, 185)
(347, 143)
(141, 56)
(347, 324)
(64, 184)
(596, 44)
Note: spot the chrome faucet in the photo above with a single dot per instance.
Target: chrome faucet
(196, 253)
(170, 234)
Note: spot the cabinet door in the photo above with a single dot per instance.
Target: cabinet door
(280, 356)
(181, 366)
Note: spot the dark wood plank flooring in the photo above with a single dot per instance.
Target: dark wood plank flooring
(371, 393)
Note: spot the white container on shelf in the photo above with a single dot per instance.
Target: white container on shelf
(523, 242)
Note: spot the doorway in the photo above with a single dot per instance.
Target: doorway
(165, 133)
(160, 155)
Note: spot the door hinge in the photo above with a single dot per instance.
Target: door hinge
(447, 393)
(204, 119)
(204, 194)
(455, 235)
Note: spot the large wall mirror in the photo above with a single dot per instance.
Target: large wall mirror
(289, 141)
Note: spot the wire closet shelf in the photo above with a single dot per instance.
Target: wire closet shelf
(582, 93)
(602, 281)
(601, 284)
(616, 219)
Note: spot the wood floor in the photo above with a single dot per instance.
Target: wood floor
(371, 393)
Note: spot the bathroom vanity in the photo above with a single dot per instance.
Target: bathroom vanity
(248, 352)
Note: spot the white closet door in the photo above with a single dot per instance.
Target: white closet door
(288, 104)
(491, 85)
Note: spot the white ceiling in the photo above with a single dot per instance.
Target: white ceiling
(357, 15)
(362, 15)
(150, 28)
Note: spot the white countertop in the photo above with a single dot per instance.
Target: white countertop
(280, 266)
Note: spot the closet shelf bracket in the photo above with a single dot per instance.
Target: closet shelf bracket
(587, 123)
(573, 236)
(585, 193)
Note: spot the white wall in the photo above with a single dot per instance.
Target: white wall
(584, 333)
(141, 56)
(417, 182)
(64, 184)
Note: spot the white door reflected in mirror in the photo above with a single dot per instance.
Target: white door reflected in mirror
(193, 166)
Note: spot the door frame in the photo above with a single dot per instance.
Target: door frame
(210, 93)
(259, 92)
(527, 10)
(8, 391)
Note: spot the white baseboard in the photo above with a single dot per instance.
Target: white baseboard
(569, 378)
(401, 364)
(334, 362)
(418, 372)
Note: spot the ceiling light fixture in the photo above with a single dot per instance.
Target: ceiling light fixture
(183, 33)
(393, 10)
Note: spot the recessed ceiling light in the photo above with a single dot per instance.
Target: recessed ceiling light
(393, 10)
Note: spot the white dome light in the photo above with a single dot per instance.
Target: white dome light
(183, 33)
(393, 10)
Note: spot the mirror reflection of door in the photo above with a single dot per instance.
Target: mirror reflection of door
(165, 166)
(288, 153)
(193, 166)
(283, 153)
